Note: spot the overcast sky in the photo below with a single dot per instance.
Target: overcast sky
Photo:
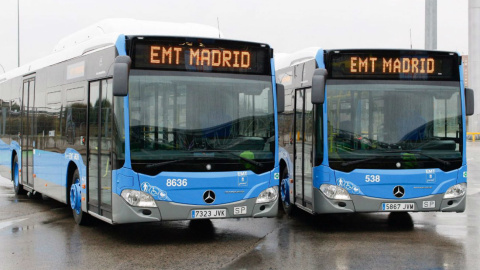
(287, 25)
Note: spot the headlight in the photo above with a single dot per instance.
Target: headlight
(268, 195)
(456, 191)
(335, 192)
(138, 198)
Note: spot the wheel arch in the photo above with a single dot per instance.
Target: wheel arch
(285, 161)
(70, 171)
(283, 165)
(14, 154)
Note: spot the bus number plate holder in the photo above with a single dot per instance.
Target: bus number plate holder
(209, 213)
(398, 206)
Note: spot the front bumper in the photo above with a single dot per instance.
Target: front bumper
(323, 205)
(124, 213)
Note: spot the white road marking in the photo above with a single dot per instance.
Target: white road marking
(4, 224)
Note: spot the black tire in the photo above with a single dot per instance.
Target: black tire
(80, 217)
(288, 207)
(17, 187)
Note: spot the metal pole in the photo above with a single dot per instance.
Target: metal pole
(411, 46)
(474, 61)
(18, 31)
(430, 24)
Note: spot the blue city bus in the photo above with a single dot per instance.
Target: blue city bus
(373, 131)
(145, 122)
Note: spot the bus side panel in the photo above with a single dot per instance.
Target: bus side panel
(10, 103)
(51, 172)
(61, 97)
(5, 160)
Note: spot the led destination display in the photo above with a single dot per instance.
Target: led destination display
(403, 65)
(202, 56)
(414, 65)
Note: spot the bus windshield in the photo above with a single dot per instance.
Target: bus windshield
(394, 124)
(212, 122)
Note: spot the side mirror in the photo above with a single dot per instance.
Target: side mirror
(318, 86)
(280, 98)
(121, 71)
(469, 101)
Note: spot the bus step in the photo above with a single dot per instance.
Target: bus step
(28, 189)
(306, 209)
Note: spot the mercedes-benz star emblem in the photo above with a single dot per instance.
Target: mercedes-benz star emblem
(398, 191)
(209, 196)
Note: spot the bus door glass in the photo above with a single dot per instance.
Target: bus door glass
(28, 131)
(298, 146)
(308, 146)
(304, 126)
(100, 147)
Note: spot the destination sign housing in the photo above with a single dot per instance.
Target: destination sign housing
(401, 65)
(201, 55)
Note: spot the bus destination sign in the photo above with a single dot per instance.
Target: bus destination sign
(202, 56)
(168, 55)
(394, 65)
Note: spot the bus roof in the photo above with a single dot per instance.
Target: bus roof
(283, 60)
(104, 34)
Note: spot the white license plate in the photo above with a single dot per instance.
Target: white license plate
(398, 206)
(210, 213)
(428, 204)
(240, 210)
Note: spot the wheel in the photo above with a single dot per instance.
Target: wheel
(18, 188)
(287, 206)
(81, 218)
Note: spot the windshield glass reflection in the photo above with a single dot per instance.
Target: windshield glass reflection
(182, 117)
(376, 124)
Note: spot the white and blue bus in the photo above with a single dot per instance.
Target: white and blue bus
(373, 131)
(132, 121)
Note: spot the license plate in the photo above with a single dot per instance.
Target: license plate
(398, 206)
(210, 213)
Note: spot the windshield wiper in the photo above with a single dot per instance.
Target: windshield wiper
(160, 164)
(444, 162)
(344, 164)
(251, 161)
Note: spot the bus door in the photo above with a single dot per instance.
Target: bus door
(99, 145)
(303, 147)
(28, 131)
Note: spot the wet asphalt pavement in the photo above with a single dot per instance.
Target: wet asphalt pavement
(39, 234)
